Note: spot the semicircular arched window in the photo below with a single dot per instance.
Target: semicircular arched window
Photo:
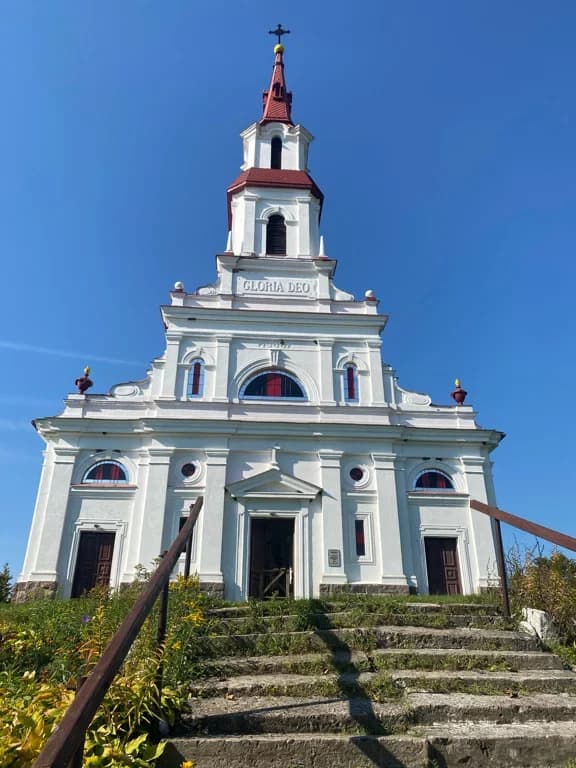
(273, 384)
(106, 472)
(434, 481)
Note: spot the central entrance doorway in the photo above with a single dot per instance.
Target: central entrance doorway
(271, 557)
(442, 564)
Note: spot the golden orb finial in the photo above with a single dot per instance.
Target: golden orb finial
(278, 48)
(457, 383)
(87, 371)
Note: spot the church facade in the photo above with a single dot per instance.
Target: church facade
(271, 400)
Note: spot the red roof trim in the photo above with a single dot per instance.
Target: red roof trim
(273, 177)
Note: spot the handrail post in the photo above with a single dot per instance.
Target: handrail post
(161, 634)
(502, 568)
(188, 557)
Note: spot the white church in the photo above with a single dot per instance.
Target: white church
(319, 473)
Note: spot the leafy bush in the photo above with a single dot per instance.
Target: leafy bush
(46, 646)
(547, 583)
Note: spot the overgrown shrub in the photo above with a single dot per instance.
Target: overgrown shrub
(547, 583)
(46, 646)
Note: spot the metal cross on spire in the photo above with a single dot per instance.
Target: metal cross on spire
(279, 32)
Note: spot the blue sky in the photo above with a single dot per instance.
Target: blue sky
(444, 146)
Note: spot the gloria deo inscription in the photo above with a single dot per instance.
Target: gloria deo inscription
(277, 287)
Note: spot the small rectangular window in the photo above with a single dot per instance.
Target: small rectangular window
(360, 538)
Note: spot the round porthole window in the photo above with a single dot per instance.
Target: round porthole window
(357, 474)
(189, 470)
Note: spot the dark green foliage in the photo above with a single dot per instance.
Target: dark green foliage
(5, 584)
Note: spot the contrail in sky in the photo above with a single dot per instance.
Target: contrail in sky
(16, 346)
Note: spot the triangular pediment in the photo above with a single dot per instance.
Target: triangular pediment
(273, 484)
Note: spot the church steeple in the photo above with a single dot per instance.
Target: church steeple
(274, 206)
(277, 100)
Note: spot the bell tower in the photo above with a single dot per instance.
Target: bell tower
(274, 206)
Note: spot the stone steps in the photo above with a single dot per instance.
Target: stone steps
(291, 714)
(368, 693)
(521, 745)
(283, 608)
(346, 619)
(381, 686)
(362, 638)
(382, 659)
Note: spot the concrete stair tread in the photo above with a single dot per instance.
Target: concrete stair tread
(468, 729)
(245, 683)
(437, 707)
(451, 632)
(523, 745)
(488, 609)
(248, 664)
(269, 618)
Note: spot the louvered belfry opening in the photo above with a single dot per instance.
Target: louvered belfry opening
(276, 235)
(276, 152)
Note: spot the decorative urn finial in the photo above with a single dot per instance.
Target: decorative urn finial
(459, 394)
(84, 382)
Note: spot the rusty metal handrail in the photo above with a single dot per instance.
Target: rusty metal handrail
(549, 534)
(555, 537)
(63, 744)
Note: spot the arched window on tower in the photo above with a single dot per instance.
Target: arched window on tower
(350, 383)
(434, 480)
(276, 153)
(276, 235)
(195, 386)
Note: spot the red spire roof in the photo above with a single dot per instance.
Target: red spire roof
(277, 100)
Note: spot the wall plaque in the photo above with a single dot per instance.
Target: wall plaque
(334, 558)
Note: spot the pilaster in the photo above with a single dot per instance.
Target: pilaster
(325, 352)
(304, 239)
(249, 224)
(222, 368)
(170, 373)
(389, 521)
(211, 522)
(332, 523)
(145, 537)
(50, 531)
(376, 378)
(482, 550)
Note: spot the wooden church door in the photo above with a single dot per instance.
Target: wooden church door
(442, 565)
(94, 561)
(271, 557)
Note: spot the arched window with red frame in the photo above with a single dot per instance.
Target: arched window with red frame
(433, 480)
(273, 385)
(106, 472)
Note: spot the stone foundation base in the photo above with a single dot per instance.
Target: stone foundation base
(327, 590)
(213, 589)
(33, 590)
